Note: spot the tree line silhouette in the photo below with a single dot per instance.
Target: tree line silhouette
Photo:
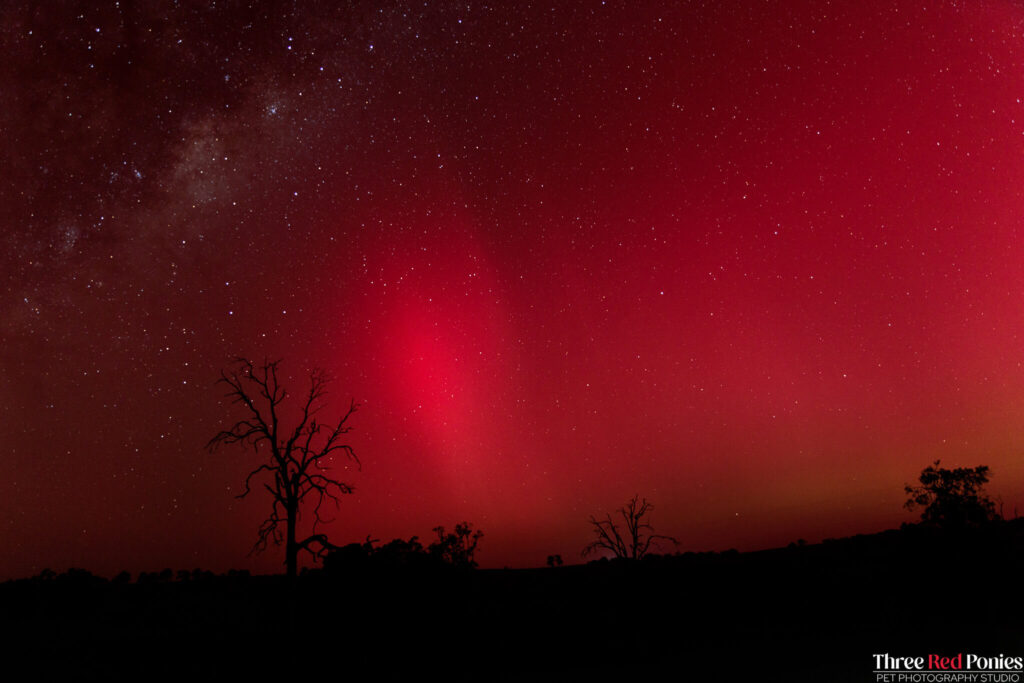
(297, 450)
(408, 607)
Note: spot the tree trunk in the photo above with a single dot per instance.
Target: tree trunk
(291, 547)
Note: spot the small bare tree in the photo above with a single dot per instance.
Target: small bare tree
(632, 542)
(296, 459)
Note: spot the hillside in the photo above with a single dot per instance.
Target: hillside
(805, 612)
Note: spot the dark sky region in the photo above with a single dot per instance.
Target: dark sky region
(758, 261)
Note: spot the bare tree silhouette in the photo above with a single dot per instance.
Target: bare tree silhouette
(296, 459)
(635, 540)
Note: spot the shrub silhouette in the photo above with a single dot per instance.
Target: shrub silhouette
(458, 548)
(952, 498)
(455, 549)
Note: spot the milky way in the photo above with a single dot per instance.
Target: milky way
(758, 262)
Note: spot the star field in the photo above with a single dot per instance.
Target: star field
(759, 263)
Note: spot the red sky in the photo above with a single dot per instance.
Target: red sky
(758, 262)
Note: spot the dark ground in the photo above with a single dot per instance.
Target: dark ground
(803, 613)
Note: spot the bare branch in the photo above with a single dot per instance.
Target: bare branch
(261, 468)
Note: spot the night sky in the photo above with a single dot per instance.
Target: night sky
(759, 262)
